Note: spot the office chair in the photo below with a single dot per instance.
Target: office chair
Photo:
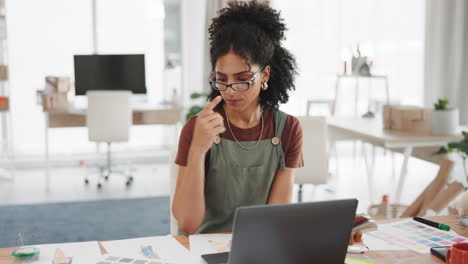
(314, 151)
(108, 118)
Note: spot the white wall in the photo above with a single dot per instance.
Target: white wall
(129, 26)
(194, 33)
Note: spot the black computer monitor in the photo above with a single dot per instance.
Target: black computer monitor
(110, 72)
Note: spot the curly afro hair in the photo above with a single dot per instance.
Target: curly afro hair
(254, 31)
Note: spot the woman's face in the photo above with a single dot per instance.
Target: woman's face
(232, 68)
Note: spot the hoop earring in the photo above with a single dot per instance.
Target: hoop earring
(264, 86)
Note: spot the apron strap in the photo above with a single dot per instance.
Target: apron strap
(280, 120)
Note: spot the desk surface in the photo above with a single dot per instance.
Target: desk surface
(372, 130)
(142, 115)
(394, 256)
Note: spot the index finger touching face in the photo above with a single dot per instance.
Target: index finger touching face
(211, 105)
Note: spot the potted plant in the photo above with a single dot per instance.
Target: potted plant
(461, 148)
(195, 109)
(444, 119)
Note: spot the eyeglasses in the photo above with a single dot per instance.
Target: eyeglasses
(237, 86)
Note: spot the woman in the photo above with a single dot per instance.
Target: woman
(240, 150)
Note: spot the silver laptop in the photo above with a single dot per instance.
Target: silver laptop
(291, 233)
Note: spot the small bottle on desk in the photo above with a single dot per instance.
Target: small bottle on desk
(383, 206)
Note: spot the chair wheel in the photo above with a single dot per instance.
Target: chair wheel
(129, 182)
(106, 177)
(99, 186)
(130, 178)
(86, 181)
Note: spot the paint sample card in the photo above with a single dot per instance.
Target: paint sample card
(210, 243)
(82, 252)
(220, 246)
(416, 236)
(128, 260)
(164, 247)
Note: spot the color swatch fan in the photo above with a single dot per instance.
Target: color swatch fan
(364, 223)
(416, 236)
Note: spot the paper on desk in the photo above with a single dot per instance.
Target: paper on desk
(374, 243)
(166, 247)
(82, 252)
(358, 260)
(210, 243)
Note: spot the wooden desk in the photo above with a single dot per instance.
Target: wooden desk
(394, 256)
(149, 115)
(142, 115)
(371, 131)
(390, 257)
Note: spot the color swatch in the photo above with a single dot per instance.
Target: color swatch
(220, 246)
(126, 260)
(416, 236)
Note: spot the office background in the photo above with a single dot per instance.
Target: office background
(44, 36)
(418, 45)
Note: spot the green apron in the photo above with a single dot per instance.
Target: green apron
(238, 177)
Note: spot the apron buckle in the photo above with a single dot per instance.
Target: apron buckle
(275, 141)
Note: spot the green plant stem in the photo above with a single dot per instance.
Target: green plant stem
(464, 166)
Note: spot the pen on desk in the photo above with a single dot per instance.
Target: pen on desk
(433, 224)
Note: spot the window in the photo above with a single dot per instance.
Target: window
(44, 36)
(323, 33)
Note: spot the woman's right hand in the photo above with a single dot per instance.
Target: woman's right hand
(207, 125)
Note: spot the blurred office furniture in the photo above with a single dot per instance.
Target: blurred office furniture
(339, 99)
(142, 114)
(438, 194)
(356, 78)
(108, 119)
(6, 141)
(324, 103)
(371, 131)
(315, 154)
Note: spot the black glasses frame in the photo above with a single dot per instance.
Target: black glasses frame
(249, 82)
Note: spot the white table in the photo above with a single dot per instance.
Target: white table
(371, 131)
(340, 77)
